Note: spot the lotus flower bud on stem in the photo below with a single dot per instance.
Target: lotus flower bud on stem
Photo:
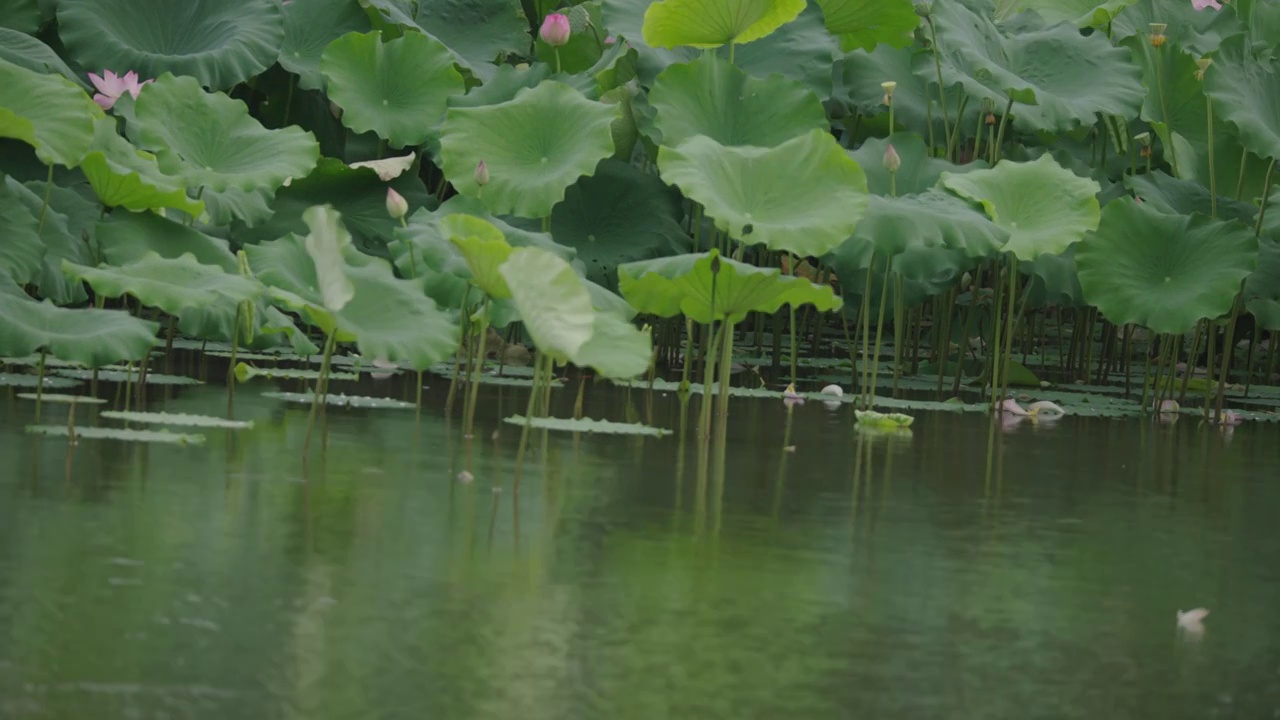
(1201, 65)
(397, 206)
(889, 86)
(892, 161)
(555, 30)
(1157, 34)
(482, 174)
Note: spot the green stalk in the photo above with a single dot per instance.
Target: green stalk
(1244, 161)
(942, 93)
(1004, 120)
(722, 399)
(1008, 328)
(884, 295)
(322, 385)
(864, 319)
(708, 380)
(1164, 114)
(40, 383)
(540, 373)
(792, 309)
(899, 319)
(470, 415)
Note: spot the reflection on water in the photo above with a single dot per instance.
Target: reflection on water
(967, 570)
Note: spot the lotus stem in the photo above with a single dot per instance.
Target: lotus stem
(1007, 351)
(732, 45)
(1213, 171)
(71, 423)
(1227, 350)
(1146, 382)
(864, 319)
(557, 51)
(708, 381)
(40, 383)
(231, 369)
(318, 395)
(688, 353)
(1164, 115)
(457, 359)
(884, 294)
(474, 390)
(722, 399)
(1191, 359)
(1266, 195)
(791, 309)
(942, 93)
(1244, 161)
(540, 373)
(953, 136)
(1211, 331)
(899, 320)
(1004, 120)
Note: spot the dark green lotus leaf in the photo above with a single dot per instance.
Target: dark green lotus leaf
(687, 284)
(1081, 13)
(858, 76)
(125, 238)
(933, 219)
(478, 32)
(1246, 93)
(616, 216)
(710, 96)
(814, 211)
(22, 251)
(209, 140)
(1053, 280)
(534, 146)
(926, 272)
(918, 172)
(1044, 207)
(309, 27)
(1262, 288)
(1199, 31)
(396, 88)
(217, 42)
(250, 208)
(864, 24)
(20, 15)
(712, 23)
(170, 285)
(124, 176)
(1184, 197)
(587, 425)
(48, 112)
(507, 80)
(1058, 78)
(1165, 272)
(90, 337)
(22, 49)
(58, 241)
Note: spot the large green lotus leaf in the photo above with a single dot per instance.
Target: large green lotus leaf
(48, 112)
(690, 284)
(1058, 78)
(416, 334)
(534, 146)
(20, 15)
(858, 76)
(507, 80)
(1053, 280)
(1183, 197)
(933, 219)
(710, 96)
(553, 301)
(484, 248)
(1081, 13)
(1043, 206)
(617, 216)
(864, 24)
(326, 243)
(77, 203)
(250, 208)
(617, 349)
(309, 27)
(1181, 122)
(1262, 288)
(1162, 271)
(59, 243)
(125, 238)
(804, 196)
(479, 32)
(20, 48)
(1246, 93)
(168, 285)
(90, 337)
(22, 249)
(1199, 31)
(209, 140)
(712, 23)
(919, 171)
(219, 43)
(358, 193)
(398, 88)
(124, 176)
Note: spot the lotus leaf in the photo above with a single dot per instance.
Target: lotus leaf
(919, 172)
(587, 425)
(864, 24)
(534, 146)
(58, 241)
(1044, 207)
(22, 49)
(209, 140)
(171, 285)
(811, 214)
(479, 32)
(22, 251)
(1163, 271)
(933, 219)
(217, 42)
(1262, 288)
(179, 419)
(395, 88)
(1198, 31)
(483, 248)
(309, 27)
(124, 176)
(121, 374)
(338, 400)
(126, 237)
(710, 96)
(712, 23)
(62, 399)
(689, 284)
(48, 112)
(104, 433)
(91, 337)
(553, 302)
(1246, 93)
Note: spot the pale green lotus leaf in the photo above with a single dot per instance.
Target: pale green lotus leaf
(91, 337)
(48, 112)
(864, 24)
(124, 176)
(712, 23)
(171, 285)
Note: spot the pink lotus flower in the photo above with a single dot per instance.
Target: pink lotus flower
(1202, 4)
(111, 87)
(555, 30)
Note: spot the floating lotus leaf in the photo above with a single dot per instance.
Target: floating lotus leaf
(338, 400)
(687, 284)
(1165, 272)
(712, 23)
(587, 425)
(22, 251)
(63, 399)
(309, 27)
(209, 140)
(171, 285)
(933, 219)
(124, 176)
(91, 337)
(179, 419)
(534, 146)
(1044, 207)
(103, 433)
(126, 237)
(48, 112)
(864, 24)
(819, 205)
(217, 42)
(919, 171)
(484, 249)
(245, 373)
(22, 49)
(616, 216)
(396, 88)
(479, 32)
(1246, 93)
(123, 374)
(710, 96)
(1058, 78)
(887, 421)
(30, 381)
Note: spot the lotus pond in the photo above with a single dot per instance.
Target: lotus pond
(374, 357)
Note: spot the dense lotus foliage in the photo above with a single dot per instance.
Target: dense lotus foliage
(624, 182)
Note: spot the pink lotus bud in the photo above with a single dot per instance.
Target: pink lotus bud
(1202, 4)
(482, 174)
(891, 160)
(397, 206)
(555, 30)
